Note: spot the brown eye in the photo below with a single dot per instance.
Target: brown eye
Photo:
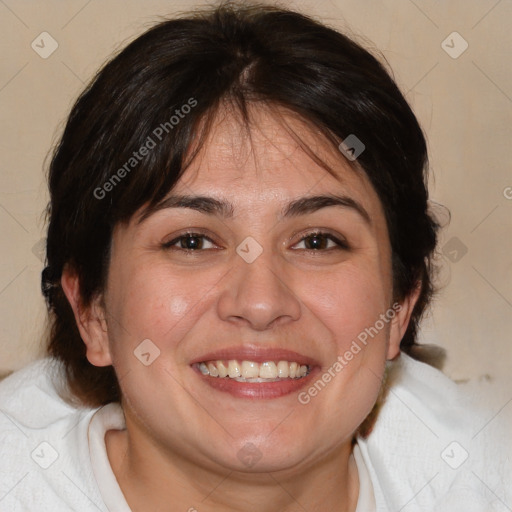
(320, 242)
(316, 242)
(190, 242)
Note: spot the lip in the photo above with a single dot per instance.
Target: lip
(256, 390)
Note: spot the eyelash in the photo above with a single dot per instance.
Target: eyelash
(340, 244)
(184, 236)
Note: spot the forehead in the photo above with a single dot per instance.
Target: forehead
(275, 155)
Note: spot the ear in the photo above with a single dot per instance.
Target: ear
(401, 320)
(90, 321)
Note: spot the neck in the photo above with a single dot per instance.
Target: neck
(154, 479)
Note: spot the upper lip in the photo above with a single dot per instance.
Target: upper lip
(257, 354)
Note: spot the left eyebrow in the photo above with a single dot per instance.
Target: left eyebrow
(311, 204)
(295, 208)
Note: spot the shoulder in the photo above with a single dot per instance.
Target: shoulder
(428, 437)
(44, 459)
(28, 392)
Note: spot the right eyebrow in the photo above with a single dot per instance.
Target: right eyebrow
(202, 204)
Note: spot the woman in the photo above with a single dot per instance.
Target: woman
(239, 253)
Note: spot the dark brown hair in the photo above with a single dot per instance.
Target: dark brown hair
(186, 68)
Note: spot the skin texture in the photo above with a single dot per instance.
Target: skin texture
(182, 441)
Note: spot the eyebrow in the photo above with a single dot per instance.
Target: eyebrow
(225, 209)
(202, 204)
(311, 204)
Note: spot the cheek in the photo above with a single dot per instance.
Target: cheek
(349, 301)
(150, 302)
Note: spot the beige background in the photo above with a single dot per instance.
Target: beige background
(464, 105)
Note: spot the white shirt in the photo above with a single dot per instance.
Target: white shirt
(53, 455)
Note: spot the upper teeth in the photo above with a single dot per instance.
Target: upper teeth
(249, 370)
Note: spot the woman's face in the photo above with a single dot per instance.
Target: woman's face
(257, 255)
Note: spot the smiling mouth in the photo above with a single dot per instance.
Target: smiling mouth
(251, 371)
(254, 372)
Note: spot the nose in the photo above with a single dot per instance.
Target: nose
(258, 294)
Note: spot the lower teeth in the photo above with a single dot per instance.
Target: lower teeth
(277, 379)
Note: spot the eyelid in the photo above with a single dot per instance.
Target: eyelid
(190, 232)
(337, 239)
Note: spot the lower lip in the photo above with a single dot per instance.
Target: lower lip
(257, 390)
